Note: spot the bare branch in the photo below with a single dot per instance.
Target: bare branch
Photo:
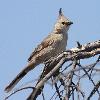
(54, 64)
(18, 91)
(94, 90)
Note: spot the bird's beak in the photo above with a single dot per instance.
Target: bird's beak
(69, 23)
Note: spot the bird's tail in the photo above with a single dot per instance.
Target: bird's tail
(28, 68)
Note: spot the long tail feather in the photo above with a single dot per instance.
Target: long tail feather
(28, 68)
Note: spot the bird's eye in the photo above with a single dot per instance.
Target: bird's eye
(63, 23)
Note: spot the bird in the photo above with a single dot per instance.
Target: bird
(54, 44)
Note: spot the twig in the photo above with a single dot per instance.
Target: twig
(88, 76)
(94, 90)
(18, 91)
(57, 90)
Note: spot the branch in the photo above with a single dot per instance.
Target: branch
(18, 91)
(47, 77)
(94, 90)
(77, 53)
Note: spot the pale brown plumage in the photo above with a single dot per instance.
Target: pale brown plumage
(51, 46)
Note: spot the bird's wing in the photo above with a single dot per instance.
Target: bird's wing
(45, 43)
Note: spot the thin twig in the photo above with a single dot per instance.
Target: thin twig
(94, 90)
(18, 91)
(57, 90)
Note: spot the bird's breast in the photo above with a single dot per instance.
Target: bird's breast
(60, 42)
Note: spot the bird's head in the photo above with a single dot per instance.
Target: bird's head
(63, 23)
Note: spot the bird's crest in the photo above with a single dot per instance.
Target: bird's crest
(60, 12)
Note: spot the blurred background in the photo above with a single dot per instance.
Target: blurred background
(24, 23)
